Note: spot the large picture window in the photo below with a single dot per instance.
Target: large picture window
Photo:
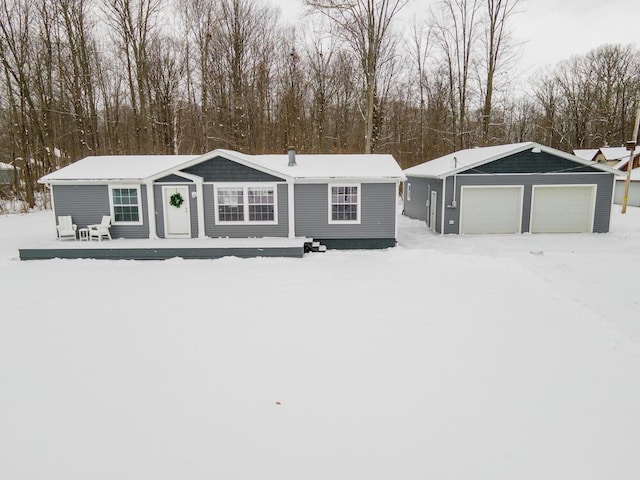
(344, 203)
(239, 204)
(125, 205)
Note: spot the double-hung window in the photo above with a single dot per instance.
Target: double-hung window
(125, 205)
(344, 203)
(241, 204)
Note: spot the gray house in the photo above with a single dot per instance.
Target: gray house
(343, 201)
(516, 188)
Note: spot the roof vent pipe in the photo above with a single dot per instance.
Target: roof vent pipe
(292, 157)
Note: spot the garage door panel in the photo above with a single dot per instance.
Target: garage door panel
(563, 209)
(491, 209)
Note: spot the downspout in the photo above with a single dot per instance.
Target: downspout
(151, 210)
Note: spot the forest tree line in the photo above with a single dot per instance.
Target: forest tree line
(102, 77)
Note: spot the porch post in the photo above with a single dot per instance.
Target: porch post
(151, 211)
(200, 203)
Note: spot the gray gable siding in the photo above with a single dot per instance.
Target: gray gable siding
(88, 203)
(281, 229)
(193, 210)
(529, 162)
(603, 180)
(421, 189)
(378, 211)
(173, 179)
(220, 169)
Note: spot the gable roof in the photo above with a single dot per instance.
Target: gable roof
(141, 167)
(616, 153)
(474, 157)
(585, 153)
(117, 167)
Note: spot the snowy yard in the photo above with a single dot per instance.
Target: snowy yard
(448, 357)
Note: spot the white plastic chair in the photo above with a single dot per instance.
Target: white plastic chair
(66, 228)
(100, 230)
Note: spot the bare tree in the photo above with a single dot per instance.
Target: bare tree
(365, 26)
(498, 13)
(455, 25)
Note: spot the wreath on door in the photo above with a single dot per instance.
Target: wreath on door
(176, 200)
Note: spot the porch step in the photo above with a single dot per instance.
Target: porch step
(314, 247)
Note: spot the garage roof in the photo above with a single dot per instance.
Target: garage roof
(474, 157)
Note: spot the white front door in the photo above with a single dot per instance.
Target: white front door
(433, 210)
(177, 222)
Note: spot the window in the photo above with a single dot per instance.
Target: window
(408, 192)
(246, 204)
(261, 206)
(125, 205)
(344, 203)
(230, 205)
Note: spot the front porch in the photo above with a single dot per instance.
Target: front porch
(162, 249)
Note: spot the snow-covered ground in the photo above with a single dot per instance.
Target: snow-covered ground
(448, 357)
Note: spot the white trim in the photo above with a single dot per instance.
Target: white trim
(164, 210)
(444, 210)
(594, 196)
(111, 206)
(358, 186)
(291, 207)
(151, 211)
(245, 186)
(325, 180)
(485, 187)
(227, 155)
(200, 207)
(529, 174)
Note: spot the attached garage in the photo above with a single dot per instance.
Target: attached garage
(516, 188)
(491, 209)
(563, 208)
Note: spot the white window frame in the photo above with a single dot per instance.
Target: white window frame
(330, 204)
(139, 205)
(245, 198)
(408, 191)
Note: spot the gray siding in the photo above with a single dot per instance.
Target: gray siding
(248, 230)
(173, 179)
(193, 210)
(220, 169)
(529, 162)
(88, 203)
(378, 211)
(604, 182)
(417, 207)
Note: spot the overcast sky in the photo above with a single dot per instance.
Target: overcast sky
(549, 30)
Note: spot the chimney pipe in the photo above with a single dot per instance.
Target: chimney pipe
(292, 156)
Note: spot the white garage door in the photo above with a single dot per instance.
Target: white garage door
(563, 208)
(491, 209)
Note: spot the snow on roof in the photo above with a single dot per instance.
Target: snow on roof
(615, 153)
(635, 175)
(585, 153)
(462, 159)
(117, 167)
(140, 167)
(466, 159)
(343, 166)
(6, 166)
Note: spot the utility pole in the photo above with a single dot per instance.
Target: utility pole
(631, 146)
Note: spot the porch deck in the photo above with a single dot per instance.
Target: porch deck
(162, 249)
